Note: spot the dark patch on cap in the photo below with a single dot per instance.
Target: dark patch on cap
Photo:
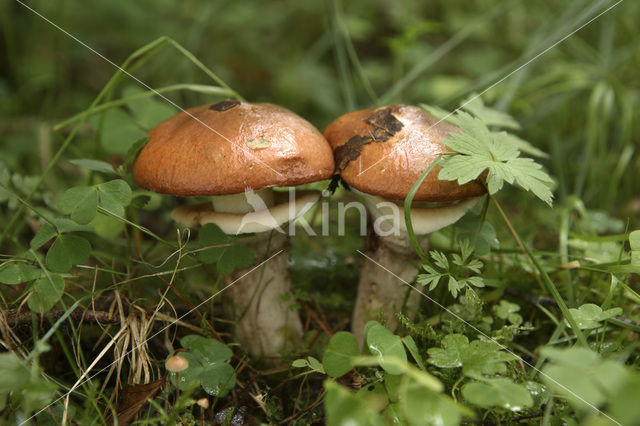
(385, 125)
(383, 119)
(224, 105)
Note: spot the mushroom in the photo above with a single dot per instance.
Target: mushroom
(236, 152)
(380, 153)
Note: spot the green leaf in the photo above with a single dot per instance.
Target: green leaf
(480, 150)
(235, 257)
(207, 365)
(634, 240)
(80, 202)
(411, 346)
(218, 379)
(343, 408)
(634, 243)
(481, 234)
(476, 358)
(22, 380)
(582, 376)
(588, 316)
(210, 235)
(95, 165)
(300, 363)
(47, 292)
(119, 131)
(387, 347)
(46, 233)
(107, 226)
(422, 406)
(66, 251)
(211, 350)
(338, 357)
(115, 195)
(489, 116)
(64, 225)
(508, 311)
(499, 392)
(148, 111)
(132, 153)
(16, 272)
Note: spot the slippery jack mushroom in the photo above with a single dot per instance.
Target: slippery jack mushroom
(236, 152)
(381, 153)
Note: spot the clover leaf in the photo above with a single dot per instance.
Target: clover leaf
(207, 365)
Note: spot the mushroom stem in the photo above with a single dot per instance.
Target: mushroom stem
(243, 202)
(386, 291)
(262, 300)
(382, 291)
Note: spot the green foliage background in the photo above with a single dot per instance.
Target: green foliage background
(579, 102)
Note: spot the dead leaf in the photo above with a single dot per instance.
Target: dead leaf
(134, 398)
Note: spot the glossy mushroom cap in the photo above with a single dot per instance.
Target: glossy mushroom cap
(383, 151)
(229, 147)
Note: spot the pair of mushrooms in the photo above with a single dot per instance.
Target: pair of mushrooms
(237, 151)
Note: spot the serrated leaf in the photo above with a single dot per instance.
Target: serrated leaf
(476, 358)
(340, 353)
(47, 292)
(80, 202)
(481, 150)
(95, 165)
(16, 272)
(499, 392)
(439, 259)
(66, 251)
(46, 233)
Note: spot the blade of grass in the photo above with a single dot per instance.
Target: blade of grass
(198, 88)
(549, 285)
(407, 211)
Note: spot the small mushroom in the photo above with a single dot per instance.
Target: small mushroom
(381, 153)
(236, 152)
(177, 364)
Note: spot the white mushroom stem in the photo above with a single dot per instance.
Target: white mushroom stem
(244, 202)
(262, 299)
(385, 292)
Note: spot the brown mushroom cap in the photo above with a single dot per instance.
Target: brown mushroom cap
(229, 147)
(383, 151)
